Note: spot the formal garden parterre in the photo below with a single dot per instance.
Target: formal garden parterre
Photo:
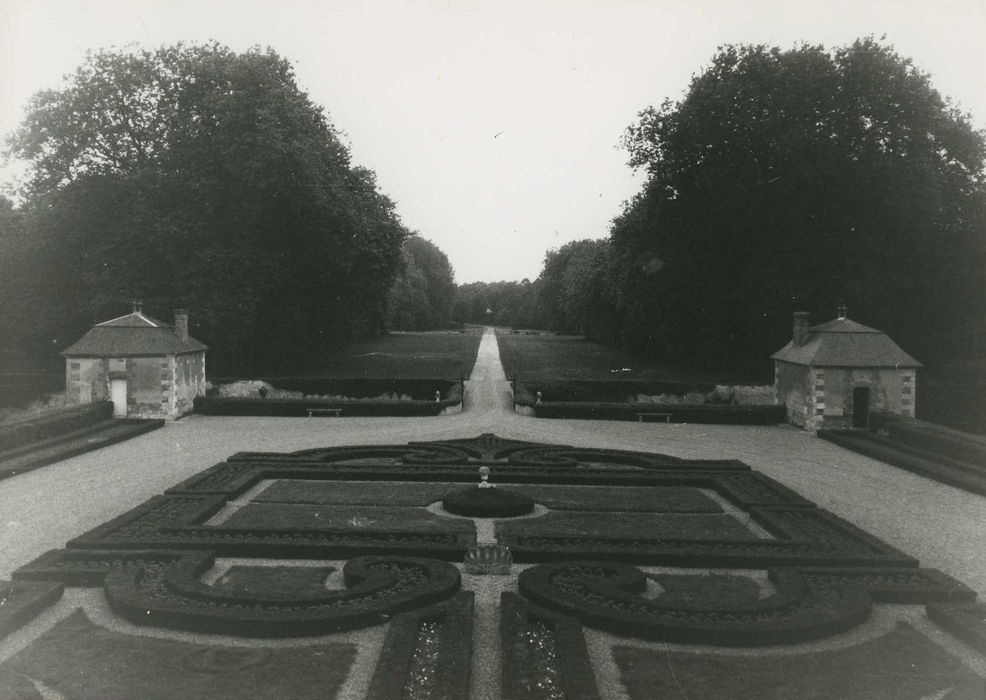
(319, 548)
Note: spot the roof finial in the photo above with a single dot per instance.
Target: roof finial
(842, 309)
(137, 304)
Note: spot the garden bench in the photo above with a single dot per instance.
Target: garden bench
(324, 411)
(643, 414)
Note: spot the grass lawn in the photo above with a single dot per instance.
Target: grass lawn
(431, 355)
(568, 357)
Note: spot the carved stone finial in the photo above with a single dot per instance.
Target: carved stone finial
(484, 475)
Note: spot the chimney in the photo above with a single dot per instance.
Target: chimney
(181, 323)
(801, 321)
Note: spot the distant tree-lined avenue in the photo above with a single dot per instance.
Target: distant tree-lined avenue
(195, 176)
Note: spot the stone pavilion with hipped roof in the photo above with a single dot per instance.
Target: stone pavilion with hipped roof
(835, 374)
(147, 368)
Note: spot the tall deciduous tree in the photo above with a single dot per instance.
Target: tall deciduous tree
(788, 180)
(199, 177)
(576, 289)
(422, 295)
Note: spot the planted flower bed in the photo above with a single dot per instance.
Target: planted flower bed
(303, 396)
(672, 402)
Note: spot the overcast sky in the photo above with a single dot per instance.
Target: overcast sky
(493, 125)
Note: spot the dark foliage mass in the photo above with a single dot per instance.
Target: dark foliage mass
(791, 180)
(501, 303)
(782, 181)
(421, 298)
(194, 176)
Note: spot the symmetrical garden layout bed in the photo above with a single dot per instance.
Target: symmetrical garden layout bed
(336, 573)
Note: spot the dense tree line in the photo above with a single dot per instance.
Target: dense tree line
(782, 181)
(422, 296)
(512, 304)
(194, 176)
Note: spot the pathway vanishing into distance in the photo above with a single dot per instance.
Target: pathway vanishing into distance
(942, 526)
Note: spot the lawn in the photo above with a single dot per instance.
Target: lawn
(431, 355)
(569, 357)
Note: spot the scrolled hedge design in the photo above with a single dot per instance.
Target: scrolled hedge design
(607, 596)
(165, 592)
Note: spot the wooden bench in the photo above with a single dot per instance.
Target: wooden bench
(643, 414)
(324, 411)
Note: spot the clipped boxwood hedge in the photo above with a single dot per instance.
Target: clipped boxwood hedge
(357, 387)
(53, 424)
(600, 391)
(613, 400)
(676, 413)
(947, 442)
(361, 403)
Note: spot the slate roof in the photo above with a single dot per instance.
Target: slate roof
(845, 343)
(132, 335)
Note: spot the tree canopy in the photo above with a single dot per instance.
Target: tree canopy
(501, 303)
(575, 289)
(791, 180)
(422, 295)
(195, 176)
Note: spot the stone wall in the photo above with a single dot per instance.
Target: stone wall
(189, 380)
(791, 382)
(823, 398)
(87, 379)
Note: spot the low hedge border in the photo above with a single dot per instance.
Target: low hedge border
(802, 537)
(169, 594)
(676, 413)
(22, 601)
(607, 596)
(599, 390)
(296, 408)
(358, 388)
(589, 405)
(810, 602)
(919, 461)
(950, 443)
(540, 647)
(965, 621)
(53, 424)
(427, 653)
(174, 521)
(32, 456)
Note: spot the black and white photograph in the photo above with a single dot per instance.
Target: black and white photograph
(492, 350)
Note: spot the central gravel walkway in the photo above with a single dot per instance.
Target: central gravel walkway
(942, 526)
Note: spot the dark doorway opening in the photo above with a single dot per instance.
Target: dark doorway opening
(861, 407)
